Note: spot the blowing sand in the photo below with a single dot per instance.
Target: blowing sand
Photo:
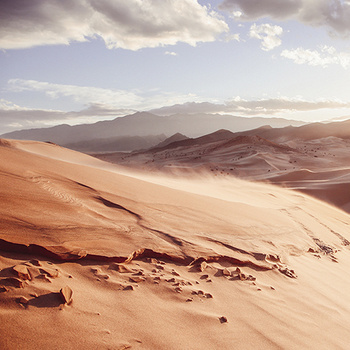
(316, 166)
(95, 259)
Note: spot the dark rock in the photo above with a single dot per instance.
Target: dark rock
(223, 319)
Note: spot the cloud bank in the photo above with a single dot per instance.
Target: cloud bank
(244, 107)
(334, 14)
(14, 117)
(131, 24)
(327, 55)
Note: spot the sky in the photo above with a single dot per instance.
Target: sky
(73, 62)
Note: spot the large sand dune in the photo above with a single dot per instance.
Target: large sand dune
(161, 262)
(313, 158)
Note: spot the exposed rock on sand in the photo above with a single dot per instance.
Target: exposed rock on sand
(66, 294)
(120, 268)
(22, 272)
(223, 319)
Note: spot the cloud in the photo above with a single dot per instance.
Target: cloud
(243, 107)
(131, 24)
(97, 104)
(170, 53)
(326, 56)
(82, 94)
(254, 9)
(233, 37)
(14, 117)
(112, 98)
(334, 14)
(268, 34)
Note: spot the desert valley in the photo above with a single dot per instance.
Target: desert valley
(227, 240)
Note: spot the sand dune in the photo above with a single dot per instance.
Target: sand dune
(291, 157)
(92, 258)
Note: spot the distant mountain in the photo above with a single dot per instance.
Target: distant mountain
(219, 139)
(175, 138)
(306, 132)
(145, 124)
(121, 144)
(219, 135)
(220, 151)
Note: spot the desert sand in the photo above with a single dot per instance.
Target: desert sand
(94, 256)
(309, 159)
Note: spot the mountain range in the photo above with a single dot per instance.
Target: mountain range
(113, 134)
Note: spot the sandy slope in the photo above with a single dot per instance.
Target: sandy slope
(319, 167)
(156, 262)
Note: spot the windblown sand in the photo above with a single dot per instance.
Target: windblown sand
(95, 259)
(318, 167)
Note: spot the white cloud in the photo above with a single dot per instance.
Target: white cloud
(131, 24)
(111, 98)
(233, 37)
(236, 14)
(82, 94)
(10, 106)
(324, 57)
(334, 14)
(268, 34)
(239, 106)
(170, 53)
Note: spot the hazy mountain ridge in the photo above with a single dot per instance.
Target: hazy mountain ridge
(122, 143)
(146, 124)
(306, 132)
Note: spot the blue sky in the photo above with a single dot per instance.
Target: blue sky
(90, 60)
